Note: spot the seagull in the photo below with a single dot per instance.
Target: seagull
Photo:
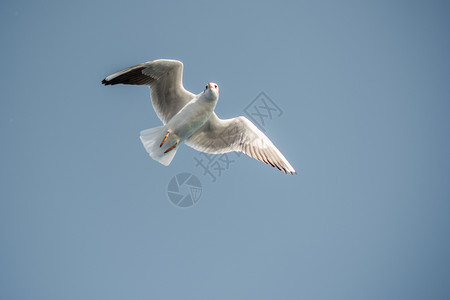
(191, 119)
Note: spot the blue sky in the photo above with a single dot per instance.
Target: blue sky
(363, 87)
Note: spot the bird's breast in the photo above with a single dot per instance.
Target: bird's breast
(191, 118)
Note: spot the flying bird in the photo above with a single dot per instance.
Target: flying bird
(191, 119)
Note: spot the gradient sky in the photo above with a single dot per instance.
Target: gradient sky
(364, 91)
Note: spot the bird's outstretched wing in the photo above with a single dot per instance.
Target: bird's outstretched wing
(165, 78)
(218, 136)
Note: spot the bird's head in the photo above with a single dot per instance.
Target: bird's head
(212, 90)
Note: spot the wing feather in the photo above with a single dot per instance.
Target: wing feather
(165, 79)
(219, 136)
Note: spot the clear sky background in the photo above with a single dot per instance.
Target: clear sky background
(364, 90)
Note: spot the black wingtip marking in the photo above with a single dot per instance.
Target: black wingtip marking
(133, 77)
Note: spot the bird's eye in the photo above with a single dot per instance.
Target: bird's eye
(206, 87)
(215, 86)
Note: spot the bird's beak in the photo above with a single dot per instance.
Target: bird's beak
(210, 86)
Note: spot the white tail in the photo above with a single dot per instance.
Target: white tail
(152, 138)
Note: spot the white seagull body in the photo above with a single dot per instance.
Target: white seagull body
(191, 119)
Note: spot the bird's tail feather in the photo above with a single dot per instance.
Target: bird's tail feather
(152, 138)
